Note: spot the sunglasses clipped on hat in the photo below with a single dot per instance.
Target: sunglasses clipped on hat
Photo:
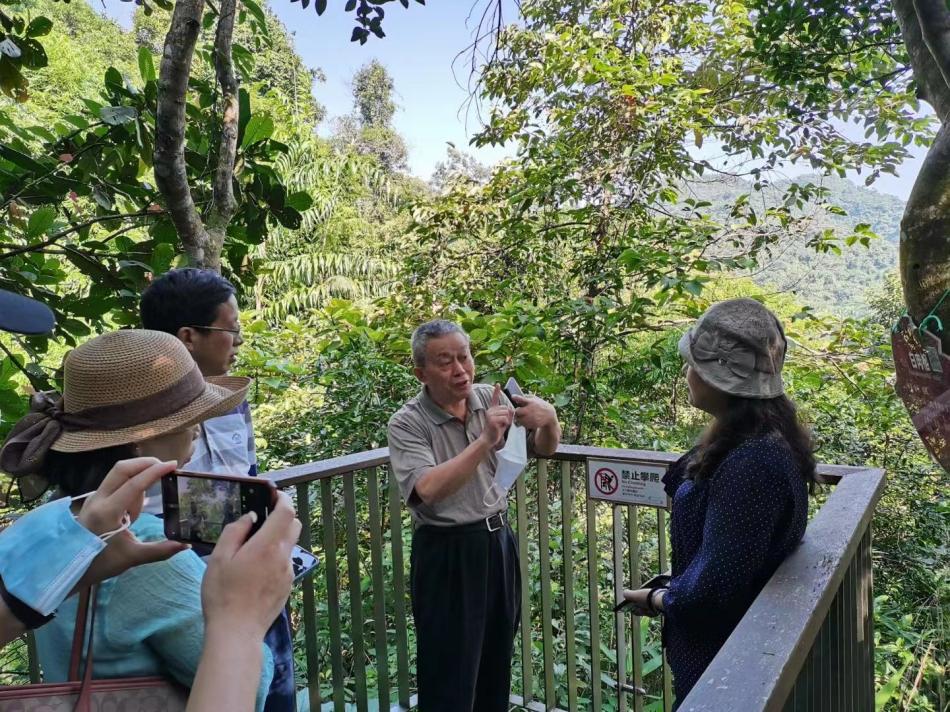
(121, 387)
(738, 346)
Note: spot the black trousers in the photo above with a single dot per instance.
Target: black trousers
(466, 595)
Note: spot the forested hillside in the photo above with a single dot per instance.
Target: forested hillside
(838, 280)
(574, 265)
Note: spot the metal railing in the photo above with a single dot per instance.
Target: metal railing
(572, 651)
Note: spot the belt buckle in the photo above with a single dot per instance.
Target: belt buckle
(501, 522)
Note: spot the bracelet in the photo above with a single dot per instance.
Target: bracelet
(652, 599)
(22, 612)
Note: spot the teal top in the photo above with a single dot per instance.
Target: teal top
(148, 622)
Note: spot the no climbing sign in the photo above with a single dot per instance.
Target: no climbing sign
(624, 482)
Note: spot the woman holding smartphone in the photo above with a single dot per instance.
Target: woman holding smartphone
(126, 394)
(740, 497)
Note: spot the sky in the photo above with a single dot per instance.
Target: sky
(419, 49)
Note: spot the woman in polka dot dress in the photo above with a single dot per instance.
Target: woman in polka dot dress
(740, 497)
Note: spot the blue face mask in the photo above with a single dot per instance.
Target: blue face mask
(45, 553)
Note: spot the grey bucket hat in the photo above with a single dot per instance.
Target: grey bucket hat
(737, 346)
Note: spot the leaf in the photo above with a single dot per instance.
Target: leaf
(41, 221)
(243, 59)
(34, 56)
(162, 257)
(350, 5)
(300, 201)
(146, 65)
(252, 7)
(116, 115)
(320, 6)
(259, 128)
(39, 26)
(92, 268)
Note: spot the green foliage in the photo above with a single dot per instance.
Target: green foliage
(85, 229)
(574, 266)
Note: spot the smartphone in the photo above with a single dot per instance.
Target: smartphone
(198, 505)
(303, 562)
(512, 389)
(658, 581)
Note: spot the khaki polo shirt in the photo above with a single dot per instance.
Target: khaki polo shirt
(421, 436)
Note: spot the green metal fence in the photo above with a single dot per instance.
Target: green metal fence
(807, 642)
(572, 651)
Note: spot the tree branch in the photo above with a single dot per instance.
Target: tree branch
(74, 228)
(224, 206)
(170, 170)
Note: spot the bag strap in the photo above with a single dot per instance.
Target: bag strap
(79, 635)
(87, 600)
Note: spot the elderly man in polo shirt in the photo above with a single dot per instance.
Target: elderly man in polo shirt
(465, 582)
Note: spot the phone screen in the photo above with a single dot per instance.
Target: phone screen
(196, 509)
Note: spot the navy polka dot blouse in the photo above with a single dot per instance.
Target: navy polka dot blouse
(728, 534)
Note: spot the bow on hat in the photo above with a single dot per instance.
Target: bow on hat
(33, 435)
(736, 356)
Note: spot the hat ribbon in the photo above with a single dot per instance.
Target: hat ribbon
(739, 359)
(34, 434)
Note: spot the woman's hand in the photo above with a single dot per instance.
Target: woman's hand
(247, 583)
(248, 580)
(122, 493)
(641, 601)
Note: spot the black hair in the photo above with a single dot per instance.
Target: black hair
(76, 473)
(184, 297)
(745, 418)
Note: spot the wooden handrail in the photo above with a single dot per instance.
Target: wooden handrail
(757, 667)
(312, 471)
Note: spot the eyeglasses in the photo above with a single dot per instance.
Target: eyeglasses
(233, 332)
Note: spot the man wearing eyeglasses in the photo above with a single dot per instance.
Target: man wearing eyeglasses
(200, 307)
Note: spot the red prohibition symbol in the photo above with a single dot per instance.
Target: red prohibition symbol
(606, 481)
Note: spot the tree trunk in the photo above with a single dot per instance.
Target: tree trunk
(224, 205)
(925, 226)
(202, 241)
(170, 170)
(925, 236)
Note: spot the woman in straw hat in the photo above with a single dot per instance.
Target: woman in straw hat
(740, 497)
(131, 393)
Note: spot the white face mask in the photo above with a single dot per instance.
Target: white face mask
(512, 459)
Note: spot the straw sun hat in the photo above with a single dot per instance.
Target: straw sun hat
(121, 387)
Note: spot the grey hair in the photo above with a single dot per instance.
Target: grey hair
(432, 330)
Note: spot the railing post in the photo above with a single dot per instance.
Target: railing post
(309, 601)
(527, 677)
(663, 562)
(544, 554)
(399, 591)
(593, 607)
(333, 594)
(620, 626)
(636, 647)
(567, 552)
(379, 589)
(356, 594)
